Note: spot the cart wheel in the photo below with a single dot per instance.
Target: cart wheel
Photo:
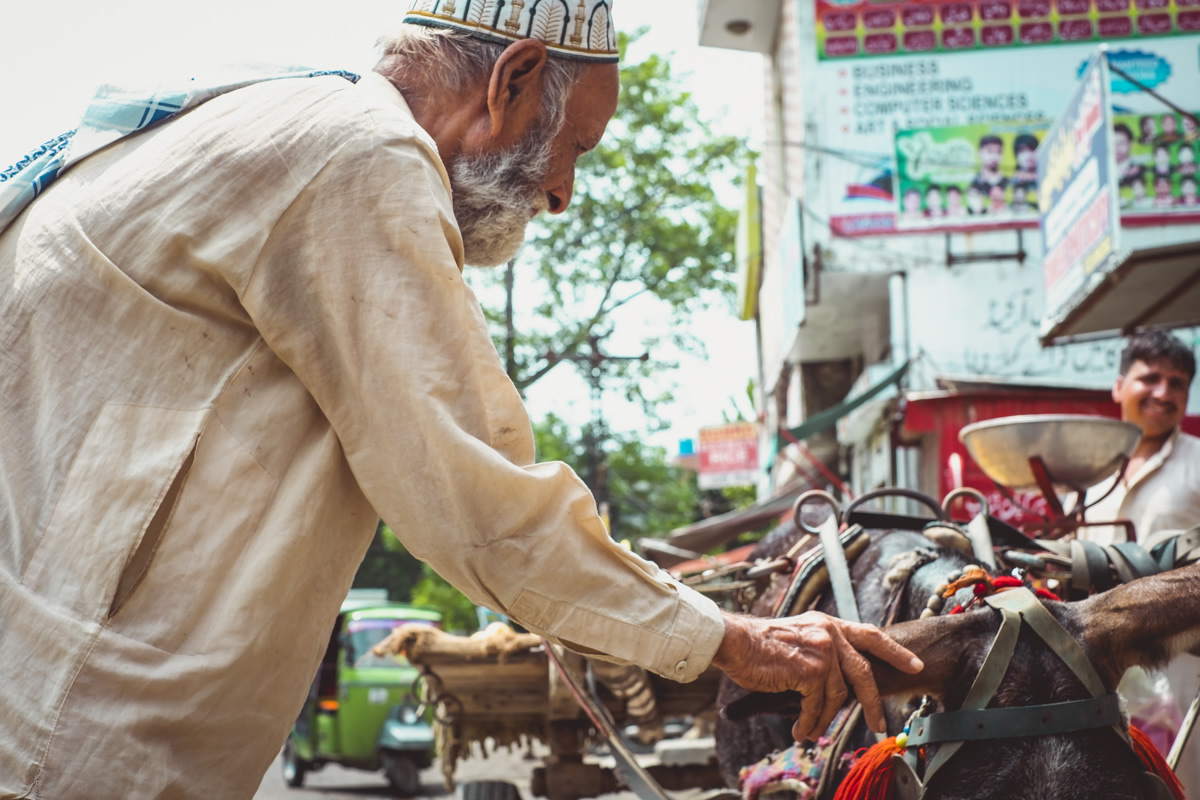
(402, 773)
(294, 767)
(490, 790)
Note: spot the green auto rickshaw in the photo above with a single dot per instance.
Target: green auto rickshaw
(360, 710)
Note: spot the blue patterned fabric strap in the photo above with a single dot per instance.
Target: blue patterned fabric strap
(113, 114)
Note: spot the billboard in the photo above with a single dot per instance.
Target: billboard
(728, 456)
(967, 175)
(865, 108)
(1156, 163)
(849, 29)
(1078, 191)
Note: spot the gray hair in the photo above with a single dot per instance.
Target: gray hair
(419, 57)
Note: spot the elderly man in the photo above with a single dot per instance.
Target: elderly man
(1160, 489)
(234, 340)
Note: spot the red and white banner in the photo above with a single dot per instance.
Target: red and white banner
(729, 455)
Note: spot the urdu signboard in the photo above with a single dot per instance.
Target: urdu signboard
(1077, 196)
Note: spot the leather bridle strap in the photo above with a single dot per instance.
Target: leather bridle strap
(1010, 723)
(995, 665)
(839, 570)
(975, 722)
(1034, 614)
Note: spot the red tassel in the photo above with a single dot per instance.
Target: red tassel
(1153, 761)
(871, 776)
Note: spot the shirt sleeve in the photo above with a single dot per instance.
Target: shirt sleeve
(358, 289)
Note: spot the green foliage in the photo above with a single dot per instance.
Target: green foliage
(645, 231)
(432, 591)
(387, 565)
(645, 227)
(647, 496)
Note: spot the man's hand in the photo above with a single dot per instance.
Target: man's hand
(815, 655)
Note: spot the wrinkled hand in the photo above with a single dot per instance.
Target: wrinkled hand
(813, 654)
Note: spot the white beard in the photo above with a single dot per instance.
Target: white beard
(497, 194)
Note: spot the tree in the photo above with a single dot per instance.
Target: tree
(646, 228)
(387, 565)
(646, 231)
(647, 496)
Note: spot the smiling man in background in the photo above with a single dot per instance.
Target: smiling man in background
(1159, 492)
(234, 337)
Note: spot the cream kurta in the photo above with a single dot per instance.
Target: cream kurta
(228, 345)
(1164, 496)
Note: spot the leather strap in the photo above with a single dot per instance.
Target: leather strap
(1133, 562)
(995, 665)
(1097, 564)
(818, 581)
(811, 574)
(975, 722)
(1033, 613)
(1156, 787)
(884, 521)
(839, 570)
(981, 541)
(1009, 723)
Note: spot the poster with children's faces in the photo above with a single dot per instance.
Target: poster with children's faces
(968, 176)
(1156, 157)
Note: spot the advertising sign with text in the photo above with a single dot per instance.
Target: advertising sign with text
(867, 109)
(967, 175)
(728, 455)
(1077, 194)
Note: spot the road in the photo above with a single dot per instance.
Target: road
(347, 784)
(343, 784)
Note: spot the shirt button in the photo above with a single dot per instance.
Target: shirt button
(681, 666)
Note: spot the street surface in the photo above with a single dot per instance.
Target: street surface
(337, 782)
(348, 784)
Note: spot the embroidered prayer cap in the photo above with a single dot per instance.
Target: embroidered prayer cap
(580, 29)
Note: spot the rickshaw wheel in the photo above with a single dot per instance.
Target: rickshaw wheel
(294, 767)
(402, 773)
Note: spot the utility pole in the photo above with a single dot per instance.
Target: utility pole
(594, 364)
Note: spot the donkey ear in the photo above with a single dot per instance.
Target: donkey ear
(943, 643)
(1145, 622)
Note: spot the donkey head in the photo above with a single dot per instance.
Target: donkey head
(1142, 623)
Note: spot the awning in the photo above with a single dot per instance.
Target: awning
(827, 418)
(1152, 287)
(733, 556)
(684, 544)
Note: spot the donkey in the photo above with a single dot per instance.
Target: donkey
(1144, 623)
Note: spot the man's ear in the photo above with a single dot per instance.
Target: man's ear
(515, 88)
(1116, 390)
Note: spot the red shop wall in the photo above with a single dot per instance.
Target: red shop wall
(945, 416)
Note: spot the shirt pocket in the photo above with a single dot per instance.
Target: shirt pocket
(116, 498)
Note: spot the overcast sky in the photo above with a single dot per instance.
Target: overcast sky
(54, 55)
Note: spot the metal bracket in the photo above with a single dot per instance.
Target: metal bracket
(1019, 256)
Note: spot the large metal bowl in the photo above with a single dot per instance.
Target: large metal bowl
(1078, 451)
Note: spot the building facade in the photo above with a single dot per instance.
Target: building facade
(899, 203)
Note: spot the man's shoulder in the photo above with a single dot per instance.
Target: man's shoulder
(369, 105)
(1186, 443)
(310, 120)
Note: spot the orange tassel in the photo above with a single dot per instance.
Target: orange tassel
(1153, 761)
(871, 776)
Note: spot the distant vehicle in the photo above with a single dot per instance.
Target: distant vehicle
(360, 711)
